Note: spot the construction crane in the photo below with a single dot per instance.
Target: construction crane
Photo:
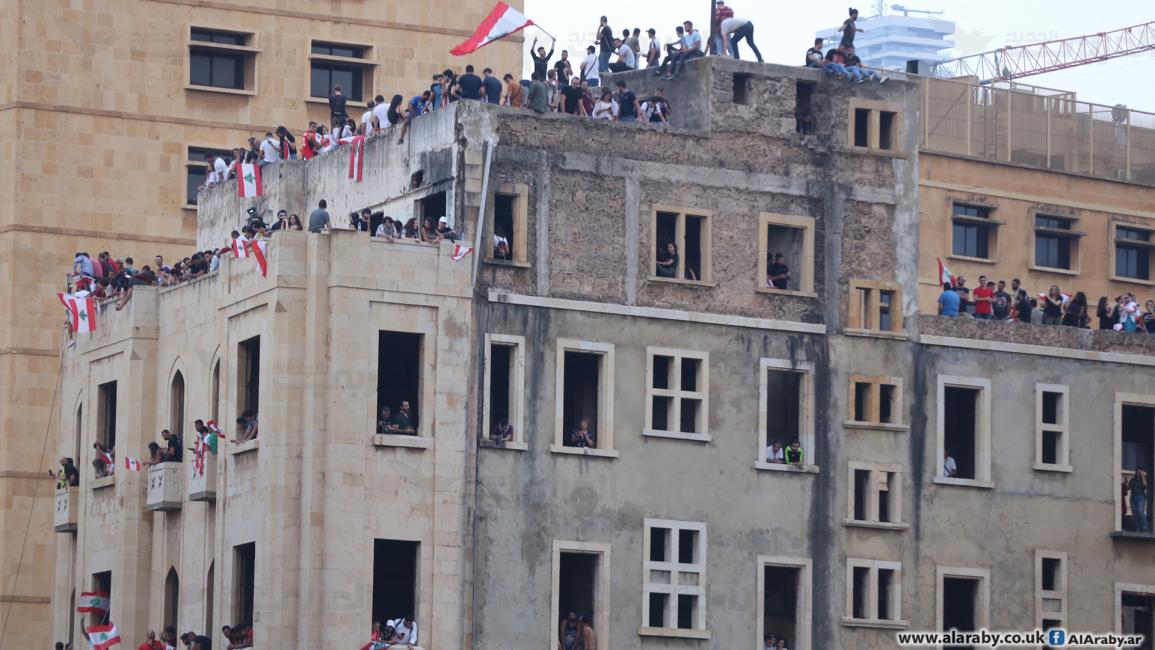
(1018, 61)
(907, 12)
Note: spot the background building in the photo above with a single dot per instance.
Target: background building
(108, 108)
(672, 524)
(889, 41)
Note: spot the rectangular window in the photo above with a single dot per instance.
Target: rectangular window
(337, 64)
(677, 394)
(804, 107)
(221, 59)
(1051, 428)
(874, 125)
(741, 87)
(581, 584)
(875, 306)
(964, 439)
(786, 253)
(1056, 243)
(1133, 253)
(1137, 439)
(784, 595)
(1050, 589)
(196, 170)
(1135, 613)
(875, 495)
(875, 401)
(874, 592)
(249, 376)
(102, 583)
(508, 229)
(399, 382)
(583, 418)
(395, 565)
(963, 599)
(431, 208)
(674, 579)
(887, 127)
(861, 127)
(106, 414)
(681, 246)
(505, 390)
(972, 231)
(244, 582)
(785, 413)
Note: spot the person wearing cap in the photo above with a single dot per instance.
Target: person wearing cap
(445, 231)
(654, 50)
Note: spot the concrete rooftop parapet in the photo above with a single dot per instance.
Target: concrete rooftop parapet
(1000, 333)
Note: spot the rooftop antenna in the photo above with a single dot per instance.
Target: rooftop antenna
(907, 12)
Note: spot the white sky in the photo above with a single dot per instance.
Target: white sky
(783, 31)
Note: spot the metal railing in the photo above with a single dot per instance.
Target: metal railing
(1040, 127)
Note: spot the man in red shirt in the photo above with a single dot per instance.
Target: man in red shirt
(721, 12)
(152, 643)
(984, 297)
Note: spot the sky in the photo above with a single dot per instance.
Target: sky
(783, 31)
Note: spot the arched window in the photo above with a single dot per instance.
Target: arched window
(78, 444)
(176, 405)
(171, 598)
(209, 589)
(216, 392)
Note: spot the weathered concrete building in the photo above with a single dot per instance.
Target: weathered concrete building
(669, 525)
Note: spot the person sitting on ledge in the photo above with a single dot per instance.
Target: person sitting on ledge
(502, 432)
(668, 261)
(239, 636)
(105, 461)
(247, 426)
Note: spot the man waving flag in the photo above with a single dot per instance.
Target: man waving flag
(501, 22)
(103, 637)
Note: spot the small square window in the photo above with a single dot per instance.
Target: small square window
(678, 395)
(674, 579)
(875, 306)
(220, 59)
(875, 400)
(875, 494)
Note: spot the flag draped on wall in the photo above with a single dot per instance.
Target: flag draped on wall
(81, 311)
(249, 180)
(459, 252)
(357, 158)
(252, 248)
(501, 22)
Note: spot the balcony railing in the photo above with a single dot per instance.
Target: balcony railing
(165, 486)
(202, 473)
(67, 507)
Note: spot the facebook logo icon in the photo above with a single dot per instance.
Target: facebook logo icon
(1056, 636)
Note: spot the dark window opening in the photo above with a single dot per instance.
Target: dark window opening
(659, 543)
(969, 239)
(216, 391)
(858, 593)
(431, 208)
(1138, 610)
(693, 252)
(244, 582)
(960, 419)
(1051, 407)
(861, 493)
(741, 87)
(196, 171)
(106, 415)
(886, 405)
(691, 412)
(1138, 451)
(662, 405)
(503, 216)
(885, 583)
(1051, 441)
(861, 127)
(958, 604)
(500, 373)
(861, 401)
(216, 68)
(394, 579)
(78, 442)
(884, 497)
(337, 49)
(1051, 566)
(662, 367)
(209, 591)
(780, 602)
(803, 107)
(886, 123)
(787, 242)
(171, 598)
(885, 310)
(687, 546)
(658, 609)
(1052, 249)
(667, 234)
(783, 406)
(582, 377)
(102, 583)
(326, 75)
(577, 580)
(687, 611)
(249, 376)
(1132, 261)
(399, 381)
(176, 406)
(219, 37)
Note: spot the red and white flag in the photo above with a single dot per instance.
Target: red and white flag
(460, 252)
(249, 180)
(357, 158)
(240, 247)
(257, 250)
(944, 274)
(103, 637)
(131, 464)
(501, 22)
(92, 602)
(81, 311)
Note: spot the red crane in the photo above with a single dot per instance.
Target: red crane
(1017, 61)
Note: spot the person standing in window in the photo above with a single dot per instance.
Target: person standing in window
(337, 114)
(774, 453)
(1138, 486)
(949, 466)
(668, 261)
(403, 421)
(583, 435)
(778, 274)
(569, 634)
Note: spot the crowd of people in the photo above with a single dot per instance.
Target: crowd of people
(841, 62)
(396, 633)
(991, 300)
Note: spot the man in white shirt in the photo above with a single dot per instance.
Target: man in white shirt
(590, 72)
(218, 170)
(654, 50)
(270, 152)
(626, 58)
(381, 110)
(735, 29)
(949, 467)
(691, 49)
(405, 630)
(367, 119)
(774, 453)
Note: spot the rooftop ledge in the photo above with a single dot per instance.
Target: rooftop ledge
(1044, 340)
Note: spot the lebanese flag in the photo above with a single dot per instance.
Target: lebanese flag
(92, 602)
(131, 464)
(240, 247)
(256, 249)
(81, 311)
(944, 274)
(249, 180)
(103, 637)
(357, 158)
(459, 252)
(501, 22)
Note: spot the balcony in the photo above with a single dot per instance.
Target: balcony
(165, 487)
(202, 481)
(67, 507)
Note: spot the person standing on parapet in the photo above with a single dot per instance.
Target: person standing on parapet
(849, 29)
(605, 45)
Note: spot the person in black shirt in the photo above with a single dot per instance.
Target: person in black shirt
(403, 421)
(573, 94)
(173, 453)
(605, 45)
(849, 29)
(337, 113)
(814, 56)
(540, 57)
(195, 641)
(69, 475)
(627, 104)
(493, 87)
(563, 68)
(778, 274)
(469, 85)
(668, 262)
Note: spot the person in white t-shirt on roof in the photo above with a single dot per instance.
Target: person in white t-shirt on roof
(735, 29)
(381, 110)
(270, 150)
(590, 72)
(627, 60)
(367, 119)
(218, 170)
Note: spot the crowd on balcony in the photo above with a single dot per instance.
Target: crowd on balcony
(396, 633)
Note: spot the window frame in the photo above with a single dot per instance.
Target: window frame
(874, 120)
(516, 392)
(605, 428)
(426, 380)
(894, 496)
(247, 53)
(1132, 588)
(1074, 250)
(804, 599)
(677, 394)
(894, 597)
(519, 247)
(1121, 400)
(1063, 413)
(982, 594)
(603, 585)
(982, 434)
(1042, 595)
(989, 222)
(874, 403)
(806, 414)
(673, 587)
(805, 271)
(1115, 242)
(871, 311)
(706, 278)
(367, 63)
(197, 161)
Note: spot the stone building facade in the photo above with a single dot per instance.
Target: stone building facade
(115, 102)
(672, 527)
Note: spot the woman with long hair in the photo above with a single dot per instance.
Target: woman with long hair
(1075, 311)
(1053, 306)
(394, 113)
(294, 223)
(287, 143)
(1107, 315)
